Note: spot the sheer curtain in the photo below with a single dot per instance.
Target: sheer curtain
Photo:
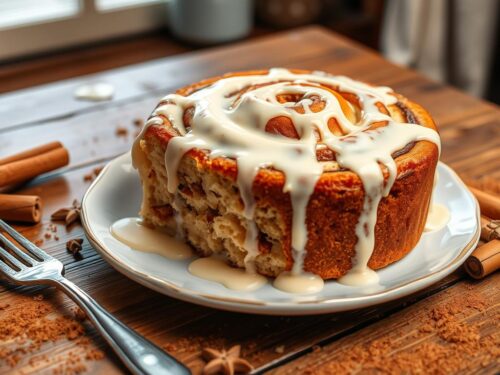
(451, 41)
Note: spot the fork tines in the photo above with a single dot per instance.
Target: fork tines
(18, 258)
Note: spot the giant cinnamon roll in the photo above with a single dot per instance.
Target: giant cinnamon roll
(290, 170)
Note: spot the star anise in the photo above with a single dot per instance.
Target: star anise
(225, 362)
(68, 214)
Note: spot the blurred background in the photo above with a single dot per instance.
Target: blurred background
(451, 41)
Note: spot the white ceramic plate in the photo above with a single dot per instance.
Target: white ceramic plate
(117, 194)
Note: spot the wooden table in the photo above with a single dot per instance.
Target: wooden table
(471, 145)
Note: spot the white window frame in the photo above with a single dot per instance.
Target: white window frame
(89, 25)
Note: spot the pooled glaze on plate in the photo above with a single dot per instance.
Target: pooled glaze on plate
(437, 218)
(214, 269)
(303, 283)
(133, 233)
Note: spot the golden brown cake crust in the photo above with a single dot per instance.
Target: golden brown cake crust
(335, 205)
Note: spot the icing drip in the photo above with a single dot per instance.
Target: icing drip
(230, 117)
(248, 171)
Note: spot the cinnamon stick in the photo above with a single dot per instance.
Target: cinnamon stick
(23, 208)
(24, 169)
(490, 229)
(484, 260)
(31, 152)
(489, 203)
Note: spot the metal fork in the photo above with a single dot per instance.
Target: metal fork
(36, 267)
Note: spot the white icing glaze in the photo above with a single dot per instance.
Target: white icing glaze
(437, 218)
(438, 215)
(304, 283)
(131, 232)
(359, 276)
(99, 91)
(215, 269)
(234, 128)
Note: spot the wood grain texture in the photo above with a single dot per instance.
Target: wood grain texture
(471, 144)
(38, 70)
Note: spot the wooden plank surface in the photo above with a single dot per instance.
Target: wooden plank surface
(56, 66)
(471, 144)
(57, 101)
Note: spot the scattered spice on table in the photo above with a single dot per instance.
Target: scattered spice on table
(69, 215)
(138, 122)
(194, 344)
(457, 342)
(50, 232)
(121, 131)
(29, 324)
(97, 170)
(89, 177)
(74, 245)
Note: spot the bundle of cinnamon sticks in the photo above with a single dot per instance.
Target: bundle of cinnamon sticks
(486, 257)
(25, 166)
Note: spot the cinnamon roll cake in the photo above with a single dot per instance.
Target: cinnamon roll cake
(290, 170)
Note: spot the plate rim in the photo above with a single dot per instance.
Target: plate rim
(326, 305)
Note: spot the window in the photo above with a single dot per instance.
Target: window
(15, 13)
(34, 26)
(104, 5)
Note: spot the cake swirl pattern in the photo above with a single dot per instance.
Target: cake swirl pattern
(302, 124)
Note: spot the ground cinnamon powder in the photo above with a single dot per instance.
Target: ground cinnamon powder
(454, 346)
(31, 323)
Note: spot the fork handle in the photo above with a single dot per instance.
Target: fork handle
(138, 354)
